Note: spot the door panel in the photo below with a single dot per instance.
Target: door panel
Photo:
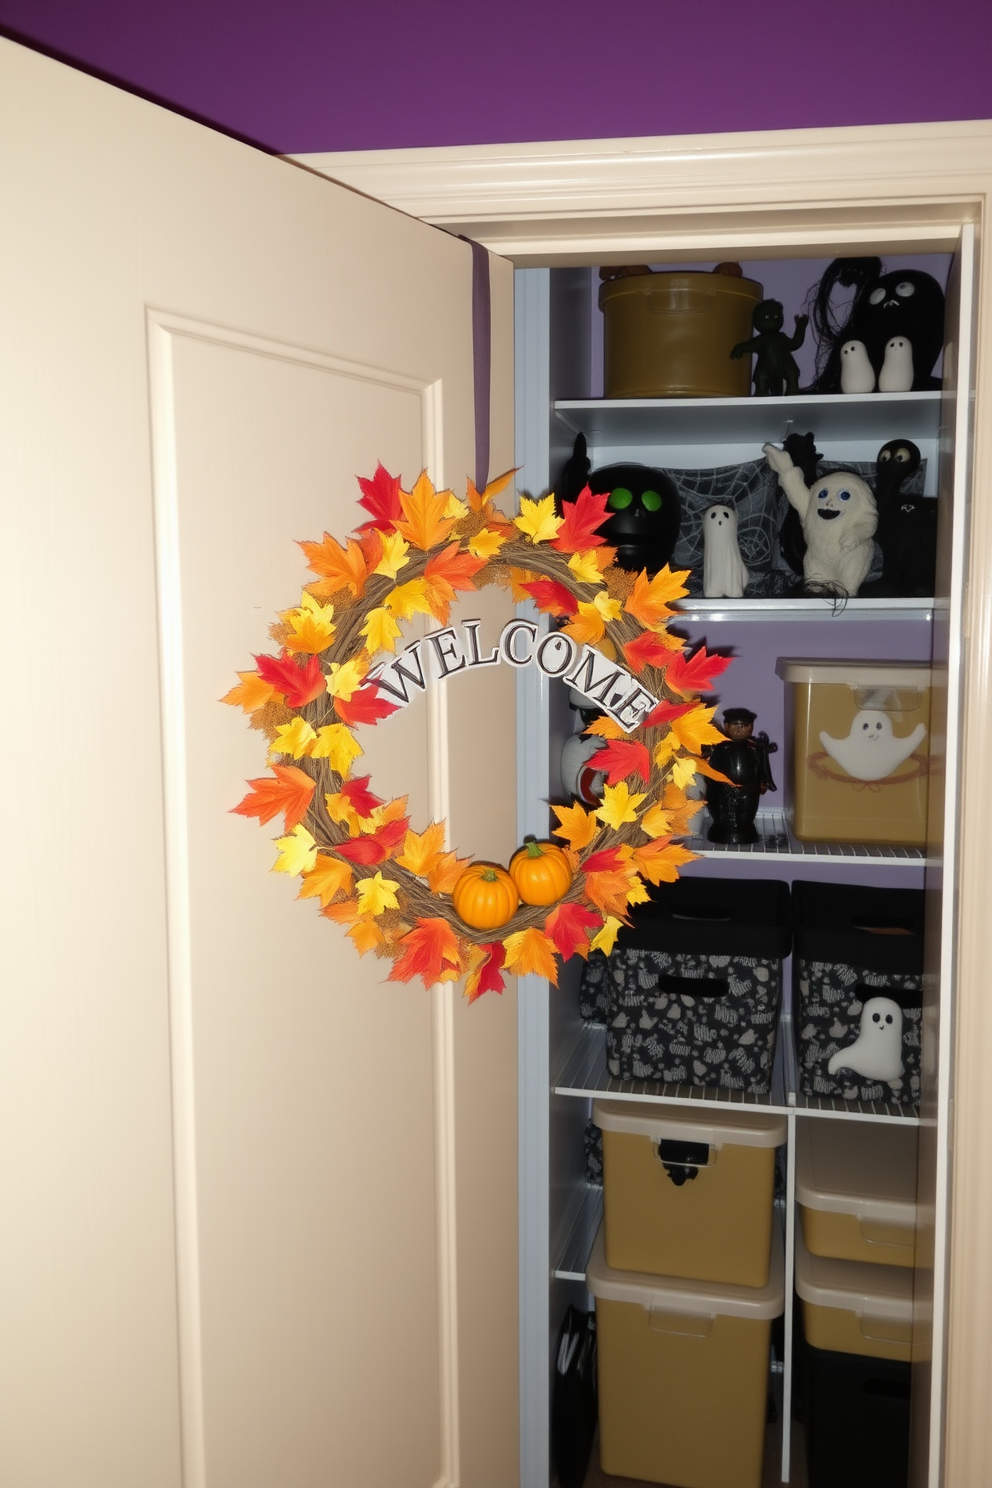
(261, 1221)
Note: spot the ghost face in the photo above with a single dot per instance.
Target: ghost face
(838, 498)
(872, 751)
(877, 1052)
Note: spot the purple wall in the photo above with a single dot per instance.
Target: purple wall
(302, 75)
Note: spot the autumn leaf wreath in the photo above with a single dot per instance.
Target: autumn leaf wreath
(395, 888)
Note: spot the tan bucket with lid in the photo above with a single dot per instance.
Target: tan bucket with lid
(856, 1188)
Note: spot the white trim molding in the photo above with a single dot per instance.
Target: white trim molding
(590, 200)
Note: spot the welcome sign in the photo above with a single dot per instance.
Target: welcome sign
(445, 653)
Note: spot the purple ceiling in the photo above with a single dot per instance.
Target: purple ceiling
(299, 75)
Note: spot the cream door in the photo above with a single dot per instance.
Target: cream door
(258, 1208)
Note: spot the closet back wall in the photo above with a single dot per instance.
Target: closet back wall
(311, 75)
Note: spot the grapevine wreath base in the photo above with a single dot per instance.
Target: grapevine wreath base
(358, 855)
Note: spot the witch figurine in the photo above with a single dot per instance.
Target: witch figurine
(745, 760)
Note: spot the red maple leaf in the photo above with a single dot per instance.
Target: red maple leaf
(430, 952)
(358, 793)
(375, 847)
(623, 757)
(606, 861)
(299, 680)
(488, 975)
(364, 706)
(665, 712)
(289, 792)
(647, 649)
(381, 497)
(551, 597)
(567, 926)
(694, 673)
(582, 516)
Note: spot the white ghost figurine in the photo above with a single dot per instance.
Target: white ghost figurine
(724, 574)
(857, 375)
(896, 375)
(838, 516)
(871, 750)
(877, 1051)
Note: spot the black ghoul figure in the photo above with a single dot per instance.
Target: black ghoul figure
(745, 760)
(775, 370)
(887, 339)
(643, 509)
(907, 526)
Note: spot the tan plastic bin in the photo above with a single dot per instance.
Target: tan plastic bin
(859, 764)
(688, 1191)
(683, 1375)
(852, 1308)
(670, 335)
(856, 1187)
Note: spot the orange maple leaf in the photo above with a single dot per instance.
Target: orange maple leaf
(648, 602)
(605, 728)
(519, 578)
(251, 693)
(478, 499)
(289, 792)
(422, 850)
(608, 891)
(345, 913)
(695, 673)
(430, 951)
(660, 861)
(587, 626)
(446, 872)
(444, 573)
(530, 951)
(328, 878)
(578, 827)
(366, 934)
(338, 567)
(424, 508)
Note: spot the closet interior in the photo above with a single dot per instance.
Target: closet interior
(815, 1134)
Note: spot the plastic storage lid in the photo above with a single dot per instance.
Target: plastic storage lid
(846, 1167)
(861, 1287)
(705, 1122)
(912, 674)
(675, 1294)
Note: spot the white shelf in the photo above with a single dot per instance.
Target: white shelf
(715, 421)
(765, 610)
(778, 843)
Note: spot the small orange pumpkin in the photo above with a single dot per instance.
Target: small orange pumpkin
(485, 896)
(541, 872)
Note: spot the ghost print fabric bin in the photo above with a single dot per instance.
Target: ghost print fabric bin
(858, 991)
(690, 994)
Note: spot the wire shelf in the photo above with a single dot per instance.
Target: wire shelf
(777, 841)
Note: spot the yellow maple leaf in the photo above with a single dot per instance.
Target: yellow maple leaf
(610, 609)
(684, 771)
(637, 893)
(337, 744)
(380, 631)
(456, 508)
(694, 729)
(366, 935)
(588, 626)
(394, 555)
(607, 937)
(310, 627)
(424, 508)
(585, 568)
(340, 809)
(485, 544)
(605, 728)
(408, 600)
(446, 872)
(659, 862)
(531, 951)
(578, 827)
(619, 805)
(421, 850)
(648, 602)
(346, 677)
(293, 738)
(327, 879)
(297, 852)
(376, 894)
(537, 519)
(665, 750)
(251, 693)
(478, 499)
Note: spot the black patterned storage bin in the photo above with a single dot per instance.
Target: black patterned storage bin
(858, 976)
(690, 994)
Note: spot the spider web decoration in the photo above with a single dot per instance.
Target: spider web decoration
(752, 490)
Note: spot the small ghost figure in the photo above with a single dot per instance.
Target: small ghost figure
(838, 516)
(877, 1052)
(857, 375)
(724, 574)
(871, 750)
(896, 375)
